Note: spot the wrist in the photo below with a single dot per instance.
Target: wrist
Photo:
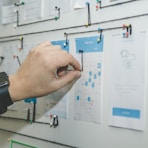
(14, 89)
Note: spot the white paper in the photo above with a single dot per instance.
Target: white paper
(88, 89)
(64, 5)
(54, 108)
(110, 2)
(10, 64)
(56, 103)
(33, 9)
(127, 81)
(80, 4)
(8, 14)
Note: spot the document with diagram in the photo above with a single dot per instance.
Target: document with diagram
(88, 89)
(127, 80)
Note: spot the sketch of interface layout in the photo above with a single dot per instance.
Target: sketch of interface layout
(127, 86)
(88, 89)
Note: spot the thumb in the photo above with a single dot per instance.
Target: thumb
(67, 79)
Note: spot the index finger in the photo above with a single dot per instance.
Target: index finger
(44, 44)
(73, 63)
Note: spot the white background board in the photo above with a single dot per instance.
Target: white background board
(71, 132)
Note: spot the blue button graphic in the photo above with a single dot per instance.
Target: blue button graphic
(123, 112)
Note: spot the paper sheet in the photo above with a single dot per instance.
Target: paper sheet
(10, 64)
(110, 2)
(80, 4)
(33, 9)
(64, 5)
(88, 89)
(61, 43)
(127, 83)
(55, 108)
(8, 14)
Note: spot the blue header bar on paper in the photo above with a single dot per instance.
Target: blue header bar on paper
(61, 43)
(89, 44)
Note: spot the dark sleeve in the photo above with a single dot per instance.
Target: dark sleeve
(5, 99)
(3, 109)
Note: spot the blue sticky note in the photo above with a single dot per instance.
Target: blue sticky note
(89, 44)
(61, 43)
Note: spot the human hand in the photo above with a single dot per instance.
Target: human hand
(43, 71)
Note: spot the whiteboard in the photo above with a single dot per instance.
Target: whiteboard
(70, 132)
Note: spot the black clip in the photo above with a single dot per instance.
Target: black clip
(19, 4)
(55, 121)
(57, 9)
(34, 112)
(2, 58)
(66, 42)
(28, 114)
(100, 36)
(17, 12)
(128, 30)
(81, 52)
(22, 41)
(18, 59)
(89, 15)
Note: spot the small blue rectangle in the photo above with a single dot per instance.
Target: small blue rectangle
(61, 43)
(123, 112)
(89, 44)
(30, 100)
